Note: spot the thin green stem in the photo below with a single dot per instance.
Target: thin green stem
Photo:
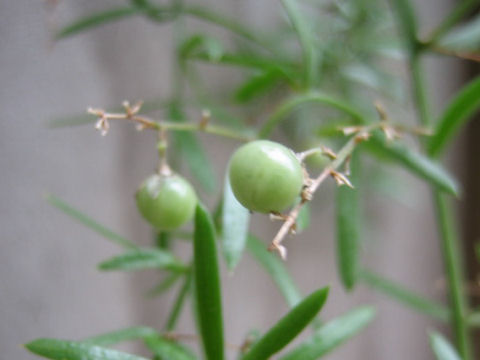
(449, 241)
(455, 276)
(448, 236)
(419, 89)
(209, 129)
(286, 107)
(407, 22)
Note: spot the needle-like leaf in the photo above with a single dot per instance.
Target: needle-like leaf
(332, 334)
(70, 350)
(141, 259)
(89, 222)
(442, 348)
(207, 285)
(457, 112)
(276, 269)
(235, 221)
(288, 327)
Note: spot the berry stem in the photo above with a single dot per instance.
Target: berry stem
(307, 193)
(147, 123)
(162, 145)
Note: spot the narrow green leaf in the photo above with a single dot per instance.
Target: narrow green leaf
(115, 337)
(303, 219)
(191, 149)
(293, 102)
(165, 284)
(455, 15)
(204, 44)
(207, 285)
(178, 303)
(89, 222)
(465, 38)
(168, 349)
(416, 162)
(257, 85)
(348, 228)
(442, 348)
(288, 327)
(251, 61)
(235, 221)
(407, 21)
(371, 76)
(95, 20)
(276, 269)
(457, 112)
(332, 334)
(305, 36)
(196, 159)
(227, 23)
(69, 350)
(141, 259)
(404, 296)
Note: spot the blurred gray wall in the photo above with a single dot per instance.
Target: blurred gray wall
(49, 285)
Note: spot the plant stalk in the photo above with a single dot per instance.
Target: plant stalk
(419, 89)
(455, 276)
(448, 234)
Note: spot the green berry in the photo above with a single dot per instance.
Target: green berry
(166, 202)
(265, 176)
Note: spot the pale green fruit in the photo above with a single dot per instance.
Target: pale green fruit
(166, 202)
(265, 176)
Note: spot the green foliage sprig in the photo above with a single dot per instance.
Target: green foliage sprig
(318, 98)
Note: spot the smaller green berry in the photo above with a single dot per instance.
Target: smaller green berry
(265, 176)
(166, 202)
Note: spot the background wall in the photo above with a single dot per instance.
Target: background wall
(49, 285)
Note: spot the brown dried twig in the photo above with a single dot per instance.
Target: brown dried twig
(362, 133)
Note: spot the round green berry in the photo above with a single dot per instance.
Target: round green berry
(265, 176)
(166, 202)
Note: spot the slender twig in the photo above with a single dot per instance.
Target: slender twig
(419, 89)
(209, 129)
(362, 133)
(313, 185)
(162, 145)
(144, 122)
